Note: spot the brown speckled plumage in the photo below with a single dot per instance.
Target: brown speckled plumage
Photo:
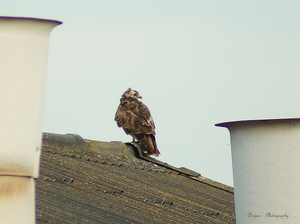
(135, 118)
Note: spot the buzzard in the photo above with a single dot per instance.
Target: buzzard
(135, 118)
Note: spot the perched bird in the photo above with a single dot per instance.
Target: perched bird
(135, 118)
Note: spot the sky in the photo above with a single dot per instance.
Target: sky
(195, 63)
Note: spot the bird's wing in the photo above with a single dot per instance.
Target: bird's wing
(144, 120)
(119, 116)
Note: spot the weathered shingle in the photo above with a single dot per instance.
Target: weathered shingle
(83, 181)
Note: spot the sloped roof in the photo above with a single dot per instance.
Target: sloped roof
(84, 181)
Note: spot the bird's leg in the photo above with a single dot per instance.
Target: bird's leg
(133, 140)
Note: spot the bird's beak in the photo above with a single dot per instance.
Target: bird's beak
(140, 97)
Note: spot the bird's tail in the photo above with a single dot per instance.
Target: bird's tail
(150, 144)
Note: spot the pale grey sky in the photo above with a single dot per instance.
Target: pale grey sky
(196, 63)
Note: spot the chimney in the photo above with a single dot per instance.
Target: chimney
(23, 65)
(266, 170)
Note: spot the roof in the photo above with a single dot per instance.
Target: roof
(85, 181)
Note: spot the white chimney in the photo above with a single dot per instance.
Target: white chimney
(23, 65)
(266, 170)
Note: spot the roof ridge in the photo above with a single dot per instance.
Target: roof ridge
(182, 170)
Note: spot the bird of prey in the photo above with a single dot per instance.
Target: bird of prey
(135, 118)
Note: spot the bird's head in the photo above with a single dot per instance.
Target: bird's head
(130, 93)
